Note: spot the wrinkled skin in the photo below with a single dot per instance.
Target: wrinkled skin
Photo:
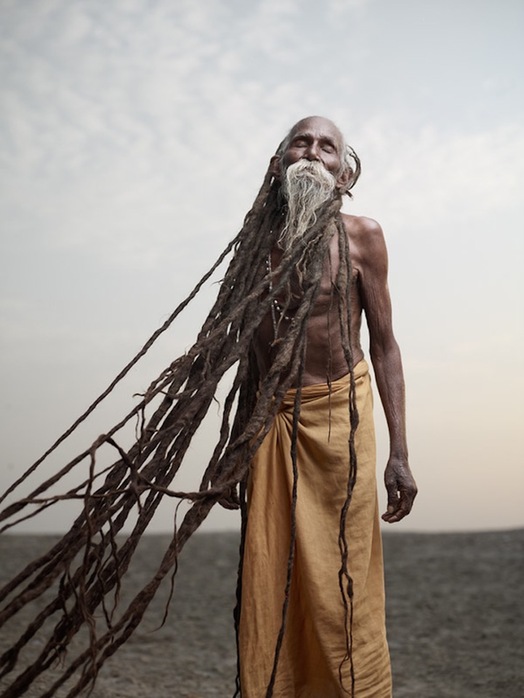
(319, 139)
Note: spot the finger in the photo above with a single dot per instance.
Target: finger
(393, 498)
(395, 516)
(390, 516)
(401, 506)
(391, 510)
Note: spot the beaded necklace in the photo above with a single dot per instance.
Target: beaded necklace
(276, 306)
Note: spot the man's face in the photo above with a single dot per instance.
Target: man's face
(315, 139)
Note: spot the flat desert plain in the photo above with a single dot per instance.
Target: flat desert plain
(455, 617)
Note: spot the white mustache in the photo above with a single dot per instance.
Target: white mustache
(305, 165)
(306, 174)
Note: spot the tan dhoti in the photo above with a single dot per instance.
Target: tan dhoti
(314, 643)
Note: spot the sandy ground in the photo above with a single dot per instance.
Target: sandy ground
(455, 618)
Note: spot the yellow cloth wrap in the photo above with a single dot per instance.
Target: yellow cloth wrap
(315, 640)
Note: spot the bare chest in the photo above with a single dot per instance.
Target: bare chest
(339, 281)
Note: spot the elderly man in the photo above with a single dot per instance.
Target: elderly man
(310, 613)
(311, 619)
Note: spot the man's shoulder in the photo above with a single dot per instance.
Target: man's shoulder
(362, 228)
(366, 243)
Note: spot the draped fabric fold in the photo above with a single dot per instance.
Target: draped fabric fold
(314, 643)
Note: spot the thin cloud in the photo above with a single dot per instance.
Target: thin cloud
(135, 137)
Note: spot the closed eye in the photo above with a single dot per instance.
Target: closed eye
(328, 145)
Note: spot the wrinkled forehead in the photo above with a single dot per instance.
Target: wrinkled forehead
(318, 127)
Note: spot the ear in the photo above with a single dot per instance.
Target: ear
(274, 167)
(344, 178)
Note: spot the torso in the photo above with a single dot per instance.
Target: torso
(325, 356)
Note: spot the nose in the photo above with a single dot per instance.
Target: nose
(313, 152)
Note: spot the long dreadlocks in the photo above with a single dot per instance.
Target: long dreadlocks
(87, 565)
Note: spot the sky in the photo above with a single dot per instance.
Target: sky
(134, 136)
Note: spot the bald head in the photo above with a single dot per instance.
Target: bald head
(317, 125)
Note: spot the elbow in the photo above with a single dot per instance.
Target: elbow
(382, 352)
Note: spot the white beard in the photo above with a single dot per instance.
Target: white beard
(306, 185)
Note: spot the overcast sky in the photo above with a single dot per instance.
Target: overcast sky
(134, 137)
